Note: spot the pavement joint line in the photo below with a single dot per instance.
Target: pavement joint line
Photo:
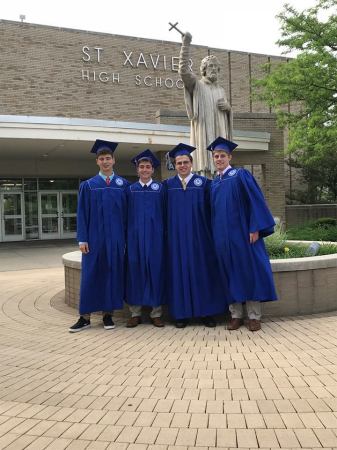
(157, 389)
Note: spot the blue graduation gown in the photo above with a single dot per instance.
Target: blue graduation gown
(239, 208)
(145, 245)
(194, 281)
(101, 221)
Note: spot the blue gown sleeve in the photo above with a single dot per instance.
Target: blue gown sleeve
(260, 218)
(125, 202)
(83, 212)
(166, 212)
(208, 185)
(164, 200)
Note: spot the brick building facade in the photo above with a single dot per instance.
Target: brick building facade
(63, 88)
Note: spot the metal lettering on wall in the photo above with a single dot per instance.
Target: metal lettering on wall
(133, 60)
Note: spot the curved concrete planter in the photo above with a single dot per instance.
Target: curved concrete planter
(304, 285)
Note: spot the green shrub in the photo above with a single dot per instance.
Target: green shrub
(325, 222)
(321, 230)
(327, 249)
(276, 243)
(279, 247)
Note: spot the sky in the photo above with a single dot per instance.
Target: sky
(242, 25)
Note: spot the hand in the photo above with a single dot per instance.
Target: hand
(223, 105)
(253, 237)
(84, 247)
(187, 38)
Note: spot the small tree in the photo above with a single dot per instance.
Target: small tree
(308, 83)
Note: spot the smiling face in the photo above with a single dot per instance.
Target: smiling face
(145, 170)
(221, 160)
(183, 165)
(105, 162)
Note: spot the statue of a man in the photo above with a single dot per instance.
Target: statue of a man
(206, 104)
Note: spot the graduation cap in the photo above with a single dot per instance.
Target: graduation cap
(221, 143)
(147, 155)
(181, 149)
(100, 146)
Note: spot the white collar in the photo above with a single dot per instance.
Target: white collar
(147, 184)
(106, 176)
(223, 173)
(187, 179)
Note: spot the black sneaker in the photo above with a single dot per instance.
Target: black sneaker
(108, 322)
(181, 323)
(80, 325)
(208, 321)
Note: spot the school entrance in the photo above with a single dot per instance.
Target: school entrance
(38, 208)
(43, 160)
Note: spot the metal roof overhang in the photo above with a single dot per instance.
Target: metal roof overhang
(70, 138)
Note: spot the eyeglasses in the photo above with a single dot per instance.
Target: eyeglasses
(183, 163)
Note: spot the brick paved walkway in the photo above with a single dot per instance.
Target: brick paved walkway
(159, 389)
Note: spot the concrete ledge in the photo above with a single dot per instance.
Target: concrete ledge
(72, 259)
(308, 263)
(304, 285)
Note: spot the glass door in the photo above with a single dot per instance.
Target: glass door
(11, 209)
(49, 217)
(31, 215)
(68, 201)
(57, 214)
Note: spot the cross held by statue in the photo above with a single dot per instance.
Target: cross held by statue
(174, 26)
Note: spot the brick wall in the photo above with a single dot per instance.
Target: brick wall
(42, 74)
(272, 161)
(301, 214)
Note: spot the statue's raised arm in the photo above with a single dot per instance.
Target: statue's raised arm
(206, 104)
(185, 70)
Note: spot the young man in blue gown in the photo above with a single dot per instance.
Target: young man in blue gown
(194, 284)
(240, 220)
(145, 284)
(101, 229)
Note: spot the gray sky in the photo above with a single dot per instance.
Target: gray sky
(245, 25)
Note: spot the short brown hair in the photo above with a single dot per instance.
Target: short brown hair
(104, 151)
(188, 156)
(144, 159)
